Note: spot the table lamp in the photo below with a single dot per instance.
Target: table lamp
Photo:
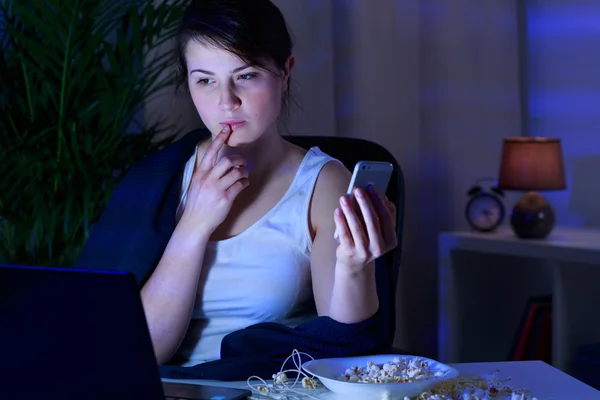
(532, 164)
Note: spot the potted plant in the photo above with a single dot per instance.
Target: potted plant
(75, 76)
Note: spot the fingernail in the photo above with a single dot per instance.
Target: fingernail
(226, 128)
(358, 192)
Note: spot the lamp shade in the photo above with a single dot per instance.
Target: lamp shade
(532, 163)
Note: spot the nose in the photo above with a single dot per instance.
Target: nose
(229, 100)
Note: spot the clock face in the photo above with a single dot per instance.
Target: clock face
(484, 212)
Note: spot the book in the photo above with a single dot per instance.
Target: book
(539, 342)
(533, 335)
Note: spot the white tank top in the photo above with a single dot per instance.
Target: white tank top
(261, 275)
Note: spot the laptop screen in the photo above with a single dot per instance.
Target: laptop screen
(72, 334)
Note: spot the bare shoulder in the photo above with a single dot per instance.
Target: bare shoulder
(334, 175)
(295, 153)
(332, 183)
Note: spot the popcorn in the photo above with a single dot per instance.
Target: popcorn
(282, 385)
(263, 389)
(487, 387)
(280, 378)
(484, 388)
(396, 371)
(308, 383)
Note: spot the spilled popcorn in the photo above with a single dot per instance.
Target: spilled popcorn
(487, 387)
(399, 370)
(281, 383)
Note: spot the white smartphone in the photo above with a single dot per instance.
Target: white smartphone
(374, 173)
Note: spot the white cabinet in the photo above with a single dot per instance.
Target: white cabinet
(486, 279)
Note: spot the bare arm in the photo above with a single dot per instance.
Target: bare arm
(344, 276)
(169, 295)
(347, 298)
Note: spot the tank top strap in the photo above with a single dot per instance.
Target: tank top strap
(298, 197)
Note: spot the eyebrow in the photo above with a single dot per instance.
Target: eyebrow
(203, 71)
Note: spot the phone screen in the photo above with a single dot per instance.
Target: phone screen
(366, 173)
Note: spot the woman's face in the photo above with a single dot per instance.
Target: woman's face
(225, 90)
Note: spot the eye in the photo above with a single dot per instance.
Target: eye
(204, 81)
(248, 76)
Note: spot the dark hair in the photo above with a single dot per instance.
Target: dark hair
(253, 30)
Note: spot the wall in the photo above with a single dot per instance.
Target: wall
(469, 101)
(564, 91)
(313, 75)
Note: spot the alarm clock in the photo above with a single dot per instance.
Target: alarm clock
(485, 210)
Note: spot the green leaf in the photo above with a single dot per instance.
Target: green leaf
(76, 74)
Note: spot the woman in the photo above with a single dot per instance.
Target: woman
(254, 235)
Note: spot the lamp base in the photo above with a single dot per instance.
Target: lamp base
(532, 217)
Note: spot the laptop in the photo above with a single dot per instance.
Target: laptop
(73, 334)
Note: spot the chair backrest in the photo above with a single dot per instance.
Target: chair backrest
(351, 150)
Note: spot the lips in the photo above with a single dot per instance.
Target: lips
(234, 124)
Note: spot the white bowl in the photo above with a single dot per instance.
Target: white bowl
(329, 370)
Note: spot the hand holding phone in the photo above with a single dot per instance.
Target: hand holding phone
(365, 174)
(369, 233)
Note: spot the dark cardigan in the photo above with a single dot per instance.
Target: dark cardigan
(132, 233)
